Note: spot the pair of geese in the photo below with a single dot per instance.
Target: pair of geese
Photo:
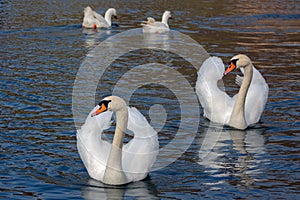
(94, 20)
(118, 163)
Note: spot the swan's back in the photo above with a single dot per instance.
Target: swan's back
(155, 27)
(217, 105)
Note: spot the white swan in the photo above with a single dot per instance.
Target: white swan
(92, 19)
(115, 163)
(241, 110)
(151, 26)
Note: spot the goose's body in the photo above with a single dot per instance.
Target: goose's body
(241, 110)
(152, 26)
(92, 19)
(116, 163)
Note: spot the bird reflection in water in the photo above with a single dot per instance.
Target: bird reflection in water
(139, 190)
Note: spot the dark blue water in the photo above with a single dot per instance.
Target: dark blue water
(42, 49)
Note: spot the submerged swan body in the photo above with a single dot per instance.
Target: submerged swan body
(241, 110)
(92, 19)
(115, 163)
(151, 26)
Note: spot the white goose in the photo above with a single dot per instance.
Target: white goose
(92, 19)
(151, 26)
(241, 110)
(115, 163)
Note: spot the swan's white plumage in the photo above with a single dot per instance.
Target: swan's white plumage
(92, 19)
(141, 151)
(217, 104)
(138, 155)
(257, 97)
(152, 26)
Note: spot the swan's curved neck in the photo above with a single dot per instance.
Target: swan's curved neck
(237, 119)
(107, 16)
(114, 174)
(165, 19)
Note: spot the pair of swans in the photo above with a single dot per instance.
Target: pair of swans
(94, 20)
(117, 164)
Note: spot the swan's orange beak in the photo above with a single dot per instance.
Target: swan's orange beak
(100, 110)
(230, 68)
(115, 16)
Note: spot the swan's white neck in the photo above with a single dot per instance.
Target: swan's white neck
(165, 19)
(108, 15)
(114, 174)
(237, 119)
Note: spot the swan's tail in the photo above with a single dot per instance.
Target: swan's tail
(150, 21)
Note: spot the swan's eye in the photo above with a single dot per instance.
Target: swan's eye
(231, 66)
(105, 102)
(233, 61)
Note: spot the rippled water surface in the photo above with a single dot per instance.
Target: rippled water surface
(43, 47)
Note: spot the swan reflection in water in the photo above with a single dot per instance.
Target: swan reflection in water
(93, 37)
(156, 41)
(138, 190)
(230, 152)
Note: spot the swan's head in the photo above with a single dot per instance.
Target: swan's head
(87, 9)
(111, 103)
(167, 15)
(236, 62)
(112, 12)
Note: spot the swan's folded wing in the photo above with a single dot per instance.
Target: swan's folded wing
(100, 20)
(257, 97)
(217, 105)
(159, 25)
(93, 150)
(99, 17)
(212, 68)
(139, 124)
(140, 153)
(156, 27)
